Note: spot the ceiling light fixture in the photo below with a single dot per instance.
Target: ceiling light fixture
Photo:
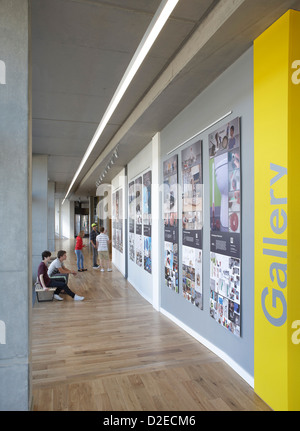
(164, 11)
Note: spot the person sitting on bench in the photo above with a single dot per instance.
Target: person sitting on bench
(59, 283)
(57, 268)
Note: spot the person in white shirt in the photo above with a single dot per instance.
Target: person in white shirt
(102, 242)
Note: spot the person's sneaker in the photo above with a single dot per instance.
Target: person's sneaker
(95, 267)
(109, 270)
(57, 297)
(102, 270)
(78, 298)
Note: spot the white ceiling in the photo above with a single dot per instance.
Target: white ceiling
(80, 51)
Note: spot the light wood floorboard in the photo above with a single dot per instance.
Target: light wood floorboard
(114, 352)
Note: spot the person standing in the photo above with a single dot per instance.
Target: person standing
(59, 283)
(102, 242)
(78, 251)
(93, 234)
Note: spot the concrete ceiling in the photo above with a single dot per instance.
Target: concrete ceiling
(80, 51)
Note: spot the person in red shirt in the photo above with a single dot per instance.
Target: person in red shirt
(60, 283)
(78, 250)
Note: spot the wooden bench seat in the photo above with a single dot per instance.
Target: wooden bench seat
(47, 294)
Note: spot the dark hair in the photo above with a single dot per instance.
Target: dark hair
(60, 253)
(45, 254)
(102, 229)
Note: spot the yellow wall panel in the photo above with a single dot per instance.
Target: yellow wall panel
(276, 168)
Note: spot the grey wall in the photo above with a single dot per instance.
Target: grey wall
(233, 90)
(15, 213)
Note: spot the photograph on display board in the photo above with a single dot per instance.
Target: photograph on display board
(225, 291)
(171, 265)
(147, 254)
(225, 225)
(139, 247)
(192, 223)
(131, 238)
(170, 180)
(192, 275)
(147, 184)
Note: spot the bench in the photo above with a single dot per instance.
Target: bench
(47, 294)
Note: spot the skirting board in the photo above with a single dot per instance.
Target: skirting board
(226, 358)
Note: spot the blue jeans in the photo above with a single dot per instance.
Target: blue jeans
(79, 259)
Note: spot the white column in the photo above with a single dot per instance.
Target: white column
(156, 205)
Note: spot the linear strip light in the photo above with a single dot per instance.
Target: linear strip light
(164, 11)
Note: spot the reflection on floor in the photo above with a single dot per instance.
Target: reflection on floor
(114, 352)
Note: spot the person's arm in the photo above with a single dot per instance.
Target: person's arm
(94, 244)
(42, 283)
(64, 270)
(80, 243)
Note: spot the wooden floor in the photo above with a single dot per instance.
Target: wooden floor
(114, 352)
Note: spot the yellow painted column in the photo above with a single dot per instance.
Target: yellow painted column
(277, 213)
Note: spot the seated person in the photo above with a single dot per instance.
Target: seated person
(57, 268)
(59, 283)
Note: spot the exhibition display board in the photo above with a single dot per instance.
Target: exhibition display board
(225, 225)
(139, 220)
(147, 182)
(131, 221)
(170, 185)
(192, 223)
(117, 220)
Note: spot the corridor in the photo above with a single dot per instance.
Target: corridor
(114, 352)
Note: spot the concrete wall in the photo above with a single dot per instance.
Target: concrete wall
(15, 207)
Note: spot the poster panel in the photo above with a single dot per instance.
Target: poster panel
(131, 236)
(170, 204)
(114, 220)
(117, 220)
(138, 222)
(147, 222)
(225, 225)
(192, 223)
